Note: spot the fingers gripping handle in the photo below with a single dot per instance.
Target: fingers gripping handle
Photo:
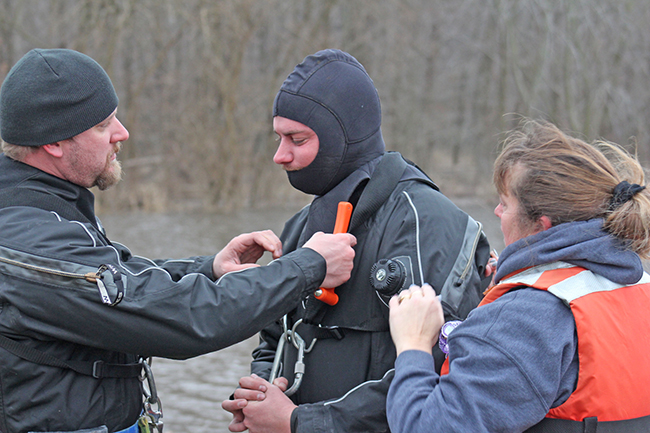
(343, 214)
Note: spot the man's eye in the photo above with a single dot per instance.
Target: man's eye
(298, 141)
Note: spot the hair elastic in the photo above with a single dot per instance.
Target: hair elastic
(623, 192)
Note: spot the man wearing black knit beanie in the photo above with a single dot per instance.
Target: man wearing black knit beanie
(335, 359)
(78, 313)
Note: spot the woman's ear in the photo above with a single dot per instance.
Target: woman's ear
(544, 223)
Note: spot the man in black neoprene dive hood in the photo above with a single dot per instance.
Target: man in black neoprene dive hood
(346, 119)
(327, 116)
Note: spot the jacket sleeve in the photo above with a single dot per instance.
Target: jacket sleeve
(362, 409)
(264, 354)
(161, 313)
(509, 366)
(178, 268)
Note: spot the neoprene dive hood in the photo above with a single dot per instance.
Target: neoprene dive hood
(332, 93)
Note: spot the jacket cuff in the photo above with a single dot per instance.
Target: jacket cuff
(313, 267)
(205, 267)
(310, 418)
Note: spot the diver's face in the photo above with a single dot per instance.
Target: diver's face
(298, 144)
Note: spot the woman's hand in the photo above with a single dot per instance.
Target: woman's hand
(415, 319)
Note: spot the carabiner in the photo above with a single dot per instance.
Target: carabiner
(151, 397)
(279, 351)
(295, 337)
(298, 369)
(297, 342)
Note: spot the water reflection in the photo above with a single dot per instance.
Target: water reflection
(192, 390)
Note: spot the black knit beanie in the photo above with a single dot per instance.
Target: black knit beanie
(331, 92)
(52, 95)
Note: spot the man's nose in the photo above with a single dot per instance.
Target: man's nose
(283, 154)
(121, 133)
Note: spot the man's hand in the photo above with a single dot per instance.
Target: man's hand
(271, 415)
(260, 406)
(338, 254)
(236, 408)
(244, 251)
(252, 388)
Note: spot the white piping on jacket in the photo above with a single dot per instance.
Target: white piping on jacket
(417, 236)
(327, 403)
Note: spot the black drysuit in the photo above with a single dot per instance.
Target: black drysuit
(398, 214)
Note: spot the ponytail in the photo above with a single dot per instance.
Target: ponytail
(566, 179)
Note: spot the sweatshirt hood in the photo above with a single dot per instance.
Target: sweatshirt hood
(332, 93)
(581, 243)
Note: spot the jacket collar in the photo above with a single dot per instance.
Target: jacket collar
(17, 174)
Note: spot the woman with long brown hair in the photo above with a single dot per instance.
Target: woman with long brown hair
(559, 344)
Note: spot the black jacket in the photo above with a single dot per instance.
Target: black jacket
(347, 373)
(169, 309)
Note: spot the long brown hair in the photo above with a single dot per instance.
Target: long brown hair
(566, 179)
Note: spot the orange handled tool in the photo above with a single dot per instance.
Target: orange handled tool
(343, 214)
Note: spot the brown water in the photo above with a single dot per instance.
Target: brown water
(192, 390)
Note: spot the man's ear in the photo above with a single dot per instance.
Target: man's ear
(53, 149)
(545, 223)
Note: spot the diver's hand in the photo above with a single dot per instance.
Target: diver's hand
(236, 408)
(251, 388)
(273, 413)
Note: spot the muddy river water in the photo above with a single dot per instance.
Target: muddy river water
(192, 390)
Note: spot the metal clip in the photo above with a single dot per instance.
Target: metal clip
(299, 368)
(297, 341)
(295, 337)
(151, 398)
(279, 352)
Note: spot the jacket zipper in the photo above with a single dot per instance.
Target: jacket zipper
(91, 277)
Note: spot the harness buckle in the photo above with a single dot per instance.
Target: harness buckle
(98, 369)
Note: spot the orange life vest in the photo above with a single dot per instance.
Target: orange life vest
(613, 327)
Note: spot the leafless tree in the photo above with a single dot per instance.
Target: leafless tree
(196, 80)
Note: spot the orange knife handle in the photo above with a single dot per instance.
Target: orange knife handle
(327, 295)
(343, 214)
